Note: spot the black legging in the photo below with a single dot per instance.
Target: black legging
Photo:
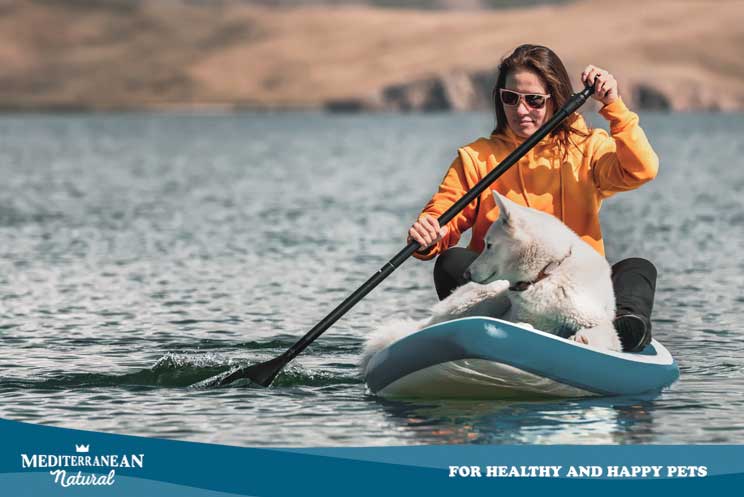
(634, 281)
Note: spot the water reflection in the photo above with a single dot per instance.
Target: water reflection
(615, 420)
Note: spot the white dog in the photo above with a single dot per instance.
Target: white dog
(534, 270)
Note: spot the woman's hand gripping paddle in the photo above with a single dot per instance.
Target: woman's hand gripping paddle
(265, 372)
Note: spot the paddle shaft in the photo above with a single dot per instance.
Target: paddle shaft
(576, 101)
(265, 373)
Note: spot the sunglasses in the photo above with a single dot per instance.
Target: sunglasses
(532, 100)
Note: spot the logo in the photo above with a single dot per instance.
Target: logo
(83, 470)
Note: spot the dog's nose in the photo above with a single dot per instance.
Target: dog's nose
(466, 275)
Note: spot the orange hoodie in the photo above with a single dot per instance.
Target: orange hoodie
(570, 187)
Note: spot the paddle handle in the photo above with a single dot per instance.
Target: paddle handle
(573, 103)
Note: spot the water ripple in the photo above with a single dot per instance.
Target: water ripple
(143, 254)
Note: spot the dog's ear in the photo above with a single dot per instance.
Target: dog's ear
(503, 203)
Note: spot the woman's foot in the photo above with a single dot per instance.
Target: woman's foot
(634, 331)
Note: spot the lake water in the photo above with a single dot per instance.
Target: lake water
(142, 253)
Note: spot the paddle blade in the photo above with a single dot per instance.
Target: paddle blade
(262, 374)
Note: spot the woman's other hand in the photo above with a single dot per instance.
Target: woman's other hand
(605, 84)
(426, 231)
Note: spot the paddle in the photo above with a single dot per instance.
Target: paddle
(265, 372)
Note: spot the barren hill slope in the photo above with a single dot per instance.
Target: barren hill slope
(170, 53)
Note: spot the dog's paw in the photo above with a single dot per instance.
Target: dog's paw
(458, 299)
(579, 337)
(462, 300)
(497, 288)
(601, 337)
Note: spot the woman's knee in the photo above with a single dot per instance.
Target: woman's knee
(449, 268)
(636, 265)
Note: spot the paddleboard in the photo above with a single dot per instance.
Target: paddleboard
(488, 358)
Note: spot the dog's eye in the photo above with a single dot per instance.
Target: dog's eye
(489, 245)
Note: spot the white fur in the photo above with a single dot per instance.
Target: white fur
(385, 335)
(576, 297)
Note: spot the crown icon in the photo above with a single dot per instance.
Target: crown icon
(82, 448)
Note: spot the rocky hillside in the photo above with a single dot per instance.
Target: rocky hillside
(129, 54)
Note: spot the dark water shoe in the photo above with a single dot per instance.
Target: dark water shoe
(634, 331)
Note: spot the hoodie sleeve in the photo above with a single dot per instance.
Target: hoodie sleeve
(624, 160)
(460, 177)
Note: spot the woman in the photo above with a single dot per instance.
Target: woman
(567, 174)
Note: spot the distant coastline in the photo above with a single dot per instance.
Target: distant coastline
(226, 56)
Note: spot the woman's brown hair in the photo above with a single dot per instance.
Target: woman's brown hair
(549, 67)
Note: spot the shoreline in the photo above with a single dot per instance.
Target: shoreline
(229, 111)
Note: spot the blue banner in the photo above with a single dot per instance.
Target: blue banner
(42, 460)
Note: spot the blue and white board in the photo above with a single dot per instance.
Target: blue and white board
(480, 357)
